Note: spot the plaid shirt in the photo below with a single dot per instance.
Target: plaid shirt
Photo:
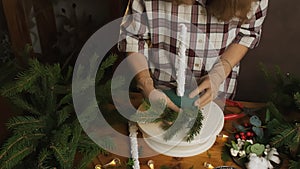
(151, 27)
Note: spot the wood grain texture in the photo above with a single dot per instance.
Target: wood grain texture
(17, 23)
(45, 20)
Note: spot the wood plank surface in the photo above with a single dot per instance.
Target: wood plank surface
(213, 155)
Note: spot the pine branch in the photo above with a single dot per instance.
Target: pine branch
(61, 156)
(294, 164)
(24, 105)
(225, 154)
(25, 80)
(275, 112)
(67, 99)
(88, 158)
(62, 135)
(104, 65)
(64, 114)
(297, 99)
(195, 127)
(285, 137)
(25, 124)
(16, 140)
(16, 158)
(43, 157)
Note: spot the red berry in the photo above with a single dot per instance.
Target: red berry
(243, 137)
(246, 124)
(237, 136)
(242, 133)
(252, 134)
(248, 134)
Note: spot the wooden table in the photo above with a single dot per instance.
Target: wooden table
(213, 155)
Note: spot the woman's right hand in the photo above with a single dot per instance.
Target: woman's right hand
(154, 95)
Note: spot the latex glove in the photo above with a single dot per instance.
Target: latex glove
(210, 83)
(154, 95)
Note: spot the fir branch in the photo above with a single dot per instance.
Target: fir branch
(294, 164)
(24, 105)
(109, 61)
(275, 112)
(25, 79)
(64, 114)
(25, 124)
(297, 99)
(62, 135)
(67, 99)
(16, 140)
(61, 156)
(225, 154)
(88, 158)
(284, 137)
(17, 157)
(68, 75)
(195, 127)
(43, 157)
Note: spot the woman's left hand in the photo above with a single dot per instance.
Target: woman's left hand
(210, 83)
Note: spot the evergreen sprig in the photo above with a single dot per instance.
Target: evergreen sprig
(284, 87)
(189, 120)
(284, 135)
(46, 133)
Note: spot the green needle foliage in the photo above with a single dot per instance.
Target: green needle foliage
(46, 133)
(171, 121)
(284, 88)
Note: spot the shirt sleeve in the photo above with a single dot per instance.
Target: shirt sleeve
(134, 31)
(250, 32)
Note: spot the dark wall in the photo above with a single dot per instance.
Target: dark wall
(280, 45)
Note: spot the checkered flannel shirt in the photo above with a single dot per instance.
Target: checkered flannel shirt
(151, 27)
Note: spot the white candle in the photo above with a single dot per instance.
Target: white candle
(134, 145)
(181, 61)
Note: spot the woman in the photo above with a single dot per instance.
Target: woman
(220, 32)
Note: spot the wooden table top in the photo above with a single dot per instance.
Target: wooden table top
(212, 156)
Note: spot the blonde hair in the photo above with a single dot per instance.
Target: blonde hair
(224, 10)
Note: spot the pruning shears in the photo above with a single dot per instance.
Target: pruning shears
(244, 110)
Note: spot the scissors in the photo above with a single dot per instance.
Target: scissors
(244, 110)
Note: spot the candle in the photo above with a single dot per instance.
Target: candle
(151, 164)
(222, 136)
(208, 165)
(134, 144)
(181, 61)
(98, 166)
(114, 162)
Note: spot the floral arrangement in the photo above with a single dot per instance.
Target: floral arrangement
(248, 149)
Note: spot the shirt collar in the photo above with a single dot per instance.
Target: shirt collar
(201, 2)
